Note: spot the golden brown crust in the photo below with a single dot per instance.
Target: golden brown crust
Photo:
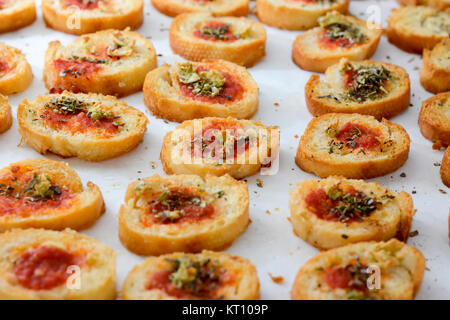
(243, 286)
(434, 121)
(218, 8)
(396, 101)
(17, 14)
(116, 14)
(17, 75)
(5, 114)
(319, 155)
(97, 275)
(435, 71)
(293, 15)
(445, 170)
(245, 51)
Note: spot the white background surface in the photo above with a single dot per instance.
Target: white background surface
(269, 241)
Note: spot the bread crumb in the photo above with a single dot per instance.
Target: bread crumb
(276, 279)
(267, 211)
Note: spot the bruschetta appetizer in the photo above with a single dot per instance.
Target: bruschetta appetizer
(434, 120)
(87, 16)
(191, 90)
(337, 37)
(183, 213)
(378, 89)
(16, 14)
(363, 271)
(438, 4)
(206, 276)
(91, 127)
(41, 193)
(200, 36)
(445, 170)
(15, 71)
(218, 8)
(219, 146)
(435, 71)
(334, 212)
(37, 264)
(416, 28)
(297, 14)
(109, 62)
(353, 146)
(5, 114)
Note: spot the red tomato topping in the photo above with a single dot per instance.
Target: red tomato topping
(226, 35)
(358, 136)
(44, 267)
(83, 4)
(350, 76)
(353, 276)
(327, 43)
(76, 68)
(3, 3)
(4, 67)
(318, 202)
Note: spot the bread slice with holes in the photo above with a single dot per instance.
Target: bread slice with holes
(388, 270)
(334, 212)
(296, 15)
(192, 90)
(165, 278)
(337, 37)
(92, 127)
(434, 119)
(5, 114)
(414, 28)
(81, 17)
(15, 71)
(37, 264)
(379, 89)
(16, 14)
(445, 169)
(218, 8)
(438, 4)
(199, 36)
(183, 213)
(109, 62)
(435, 71)
(41, 193)
(352, 145)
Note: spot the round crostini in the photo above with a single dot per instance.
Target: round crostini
(367, 270)
(378, 89)
(92, 127)
(37, 264)
(218, 8)
(15, 71)
(353, 146)
(414, 28)
(434, 120)
(219, 146)
(183, 213)
(109, 62)
(5, 114)
(334, 212)
(86, 16)
(297, 14)
(41, 193)
(179, 276)
(200, 36)
(445, 170)
(16, 14)
(435, 71)
(191, 90)
(438, 4)
(337, 37)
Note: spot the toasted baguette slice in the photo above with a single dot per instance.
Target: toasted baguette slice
(183, 213)
(296, 15)
(16, 14)
(438, 4)
(165, 278)
(220, 146)
(41, 193)
(378, 89)
(352, 145)
(199, 36)
(110, 62)
(169, 91)
(368, 270)
(15, 71)
(37, 264)
(416, 28)
(318, 48)
(334, 212)
(434, 119)
(91, 127)
(445, 169)
(435, 71)
(5, 114)
(218, 8)
(81, 17)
